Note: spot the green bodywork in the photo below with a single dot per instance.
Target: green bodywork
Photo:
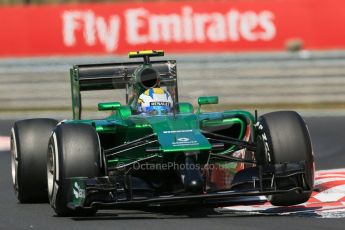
(179, 132)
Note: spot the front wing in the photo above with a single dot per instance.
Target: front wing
(105, 192)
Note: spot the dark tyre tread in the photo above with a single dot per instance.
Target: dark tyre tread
(287, 140)
(29, 144)
(79, 156)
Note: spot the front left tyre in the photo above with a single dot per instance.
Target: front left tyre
(29, 144)
(73, 151)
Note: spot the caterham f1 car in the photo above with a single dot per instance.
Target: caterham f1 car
(185, 157)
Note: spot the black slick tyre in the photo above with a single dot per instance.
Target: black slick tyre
(74, 151)
(29, 144)
(283, 137)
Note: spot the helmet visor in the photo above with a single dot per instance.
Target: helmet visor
(158, 110)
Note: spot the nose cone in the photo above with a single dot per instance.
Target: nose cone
(192, 177)
(180, 133)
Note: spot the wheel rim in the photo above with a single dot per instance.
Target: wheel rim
(50, 170)
(14, 163)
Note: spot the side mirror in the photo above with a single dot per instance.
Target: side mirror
(206, 101)
(105, 106)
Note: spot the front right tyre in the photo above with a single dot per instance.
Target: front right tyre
(283, 137)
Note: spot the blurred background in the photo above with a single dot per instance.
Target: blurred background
(254, 54)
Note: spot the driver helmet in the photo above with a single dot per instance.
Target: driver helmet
(155, 101)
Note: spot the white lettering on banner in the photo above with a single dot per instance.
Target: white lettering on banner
(266, 21)
(196, 27)
(69, 25)
(200, 21)
(91, 27)
(167, 28)
(108, 36)
(249, 21)
(186, 26)
(89, 32)
(217, 29)
(187, 23)
(233, 18)
(135, 22)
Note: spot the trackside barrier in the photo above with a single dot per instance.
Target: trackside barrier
(40, 87)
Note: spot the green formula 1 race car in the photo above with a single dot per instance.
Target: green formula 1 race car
(178, 157)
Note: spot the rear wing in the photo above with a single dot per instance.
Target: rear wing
(113, 76)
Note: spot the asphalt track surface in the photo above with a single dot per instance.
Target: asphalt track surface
(328, 138)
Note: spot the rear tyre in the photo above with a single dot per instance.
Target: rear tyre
(73, 151)
(283, 137)
(29, 144)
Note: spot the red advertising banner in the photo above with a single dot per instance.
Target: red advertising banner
(195, 26)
